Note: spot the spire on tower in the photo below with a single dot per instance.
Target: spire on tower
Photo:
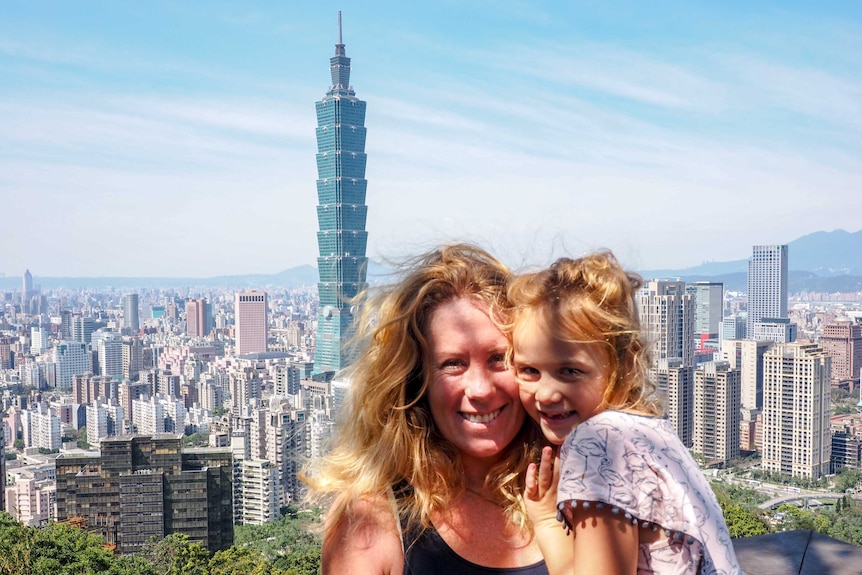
(339, 48)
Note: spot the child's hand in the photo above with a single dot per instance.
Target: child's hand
(540, 492)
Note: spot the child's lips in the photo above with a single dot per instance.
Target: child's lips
(559, 416)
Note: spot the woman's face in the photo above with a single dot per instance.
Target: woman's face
(473, 397)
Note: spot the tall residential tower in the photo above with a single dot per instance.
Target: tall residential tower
(767, 285)
(341, 213)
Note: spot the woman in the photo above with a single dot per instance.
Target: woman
(428, 462)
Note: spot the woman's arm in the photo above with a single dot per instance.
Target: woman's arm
(365, 539)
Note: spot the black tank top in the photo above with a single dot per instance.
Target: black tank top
(428, 554)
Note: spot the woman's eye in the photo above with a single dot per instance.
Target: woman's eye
(497, 359)
(452, 364)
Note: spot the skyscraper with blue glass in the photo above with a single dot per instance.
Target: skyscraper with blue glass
(341, 213)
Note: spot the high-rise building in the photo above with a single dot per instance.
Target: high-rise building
(133, 357)
(286, 380)
(778, 330)
(732, 327)
(27, 286)
(842, 340)
(716, 412)
(250, 308)
(104, 420)
(66, 325)
(667, 319)
(708, 306)
(256, 492)
(41, 427)
(82, 328)
(341, 213)
(110, 351)
(796, 410)
(767, 285)
(147, 486)
(674, 382)
(39, 342)
(131, 313)
(70, 358)
(245, 386)
(198, 318)
(747, 357)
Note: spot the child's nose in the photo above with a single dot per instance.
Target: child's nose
(547, 394)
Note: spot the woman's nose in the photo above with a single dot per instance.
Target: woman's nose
(478, 384)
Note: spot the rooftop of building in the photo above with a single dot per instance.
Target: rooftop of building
(797, 553)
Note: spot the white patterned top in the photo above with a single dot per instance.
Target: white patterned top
(637, 465)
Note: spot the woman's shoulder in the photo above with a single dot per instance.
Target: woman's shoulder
(362, 536)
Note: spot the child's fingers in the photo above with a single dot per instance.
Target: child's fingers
(531, 488)
(546, 470)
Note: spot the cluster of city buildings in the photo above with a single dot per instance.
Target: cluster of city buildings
(103, 392)
(737, 378)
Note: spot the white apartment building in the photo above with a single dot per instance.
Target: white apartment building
(767, 285)
(104, 420)
(245, 387)
(256, 492)
(796, 409)
(717, 391)
(70, 358)
(778, 330)
(41, 427)
(158, 414)
(39, 341)
(110, 349)
(30, 501)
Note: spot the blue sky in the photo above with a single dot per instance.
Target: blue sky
(176, 138)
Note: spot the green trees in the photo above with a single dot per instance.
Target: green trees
(847, 479)
(292, 543)
(741, 514)
(62, 549)
(58, 549)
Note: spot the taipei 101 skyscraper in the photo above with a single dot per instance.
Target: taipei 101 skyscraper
(341, 213)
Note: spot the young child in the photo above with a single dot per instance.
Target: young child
(628, 492)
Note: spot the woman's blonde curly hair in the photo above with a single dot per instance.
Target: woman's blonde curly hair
(386, 436)
(591, 299)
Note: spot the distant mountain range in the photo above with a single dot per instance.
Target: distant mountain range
(296, 277)
(825, 262)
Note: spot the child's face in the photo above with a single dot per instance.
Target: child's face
(561, 383)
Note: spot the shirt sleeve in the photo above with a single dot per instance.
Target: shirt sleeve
(624, 465)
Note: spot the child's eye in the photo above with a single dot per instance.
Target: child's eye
(527, 373)
(571, 372)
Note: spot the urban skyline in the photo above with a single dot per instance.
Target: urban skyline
(187, 133)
